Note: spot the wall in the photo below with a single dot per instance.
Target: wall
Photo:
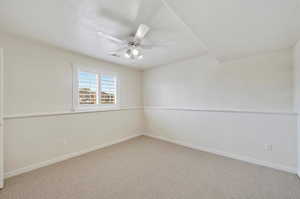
(241, 109)
(260, 83)
(233, 109)
(1, 121)
(297, 94)
(38, 80)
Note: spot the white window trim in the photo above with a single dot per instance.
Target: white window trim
(93, 107)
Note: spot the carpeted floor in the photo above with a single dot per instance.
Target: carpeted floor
(146, 168)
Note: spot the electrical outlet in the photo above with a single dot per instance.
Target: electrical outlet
(268, 147)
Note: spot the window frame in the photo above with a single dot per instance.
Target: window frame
(94, 107)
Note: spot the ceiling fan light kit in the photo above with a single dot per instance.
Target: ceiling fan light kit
(133, 53)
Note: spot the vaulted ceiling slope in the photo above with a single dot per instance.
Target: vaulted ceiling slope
(182, 29)
(237, 28)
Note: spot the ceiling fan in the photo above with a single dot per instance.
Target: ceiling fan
(132, 47)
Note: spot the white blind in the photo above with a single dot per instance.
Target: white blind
(108, 89)
(88, 88)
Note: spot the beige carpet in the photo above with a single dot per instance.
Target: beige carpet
(145, 168)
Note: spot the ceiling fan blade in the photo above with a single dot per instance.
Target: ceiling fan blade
(116, 52)
(151, 46)
(121, 49)
(112, 38)
(141, 31)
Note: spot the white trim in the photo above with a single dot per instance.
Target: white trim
(229, 155)
(218, 110)
(48, 114)
(75, 100)
(1, 118)
(64, 157)
(97, 108)
(124, 107)
(1, 89)
(99, 72)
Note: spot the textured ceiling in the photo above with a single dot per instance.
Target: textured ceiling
(226, 29)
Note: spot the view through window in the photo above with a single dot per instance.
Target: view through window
(88, 88)
(108, 89)
(97, 89)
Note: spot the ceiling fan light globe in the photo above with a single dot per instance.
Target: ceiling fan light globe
(135, 52)
(127, 54)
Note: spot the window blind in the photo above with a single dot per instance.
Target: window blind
(88, 88)
(108, 89)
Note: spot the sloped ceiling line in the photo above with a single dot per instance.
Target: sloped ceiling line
(184, 24)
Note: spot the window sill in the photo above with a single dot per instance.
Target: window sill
(97, 109)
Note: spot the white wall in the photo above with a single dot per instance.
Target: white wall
(38, 79)
(260, 83)
(297, 94)
(235, 108)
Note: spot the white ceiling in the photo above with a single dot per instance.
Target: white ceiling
(227, 29)
(73, 25)
(236, 28)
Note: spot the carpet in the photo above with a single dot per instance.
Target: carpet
(147, 168)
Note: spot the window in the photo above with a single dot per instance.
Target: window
(108, 89)
(88, 88)
(94, 89)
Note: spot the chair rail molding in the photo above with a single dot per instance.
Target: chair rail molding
(71, 112)
(203, 109)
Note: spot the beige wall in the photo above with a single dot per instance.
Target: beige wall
(38, 79)
(237, 108)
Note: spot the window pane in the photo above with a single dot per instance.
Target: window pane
(88, 88)
(108, 89)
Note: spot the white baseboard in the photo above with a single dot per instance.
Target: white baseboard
(75, 154)
(64, 157)
(229, 155)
